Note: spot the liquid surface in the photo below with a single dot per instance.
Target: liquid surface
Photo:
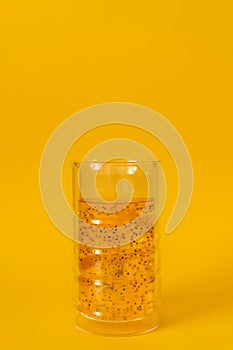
(119, 283)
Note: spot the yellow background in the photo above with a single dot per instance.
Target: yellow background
(58, 57)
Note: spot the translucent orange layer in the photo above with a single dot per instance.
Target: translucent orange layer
(117, 283)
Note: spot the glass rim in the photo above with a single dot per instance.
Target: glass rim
(123, 162)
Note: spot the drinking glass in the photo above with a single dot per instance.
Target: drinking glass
(116, 253)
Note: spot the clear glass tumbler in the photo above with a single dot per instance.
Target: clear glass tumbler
(116, 256)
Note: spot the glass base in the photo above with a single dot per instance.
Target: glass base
(118, 328)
